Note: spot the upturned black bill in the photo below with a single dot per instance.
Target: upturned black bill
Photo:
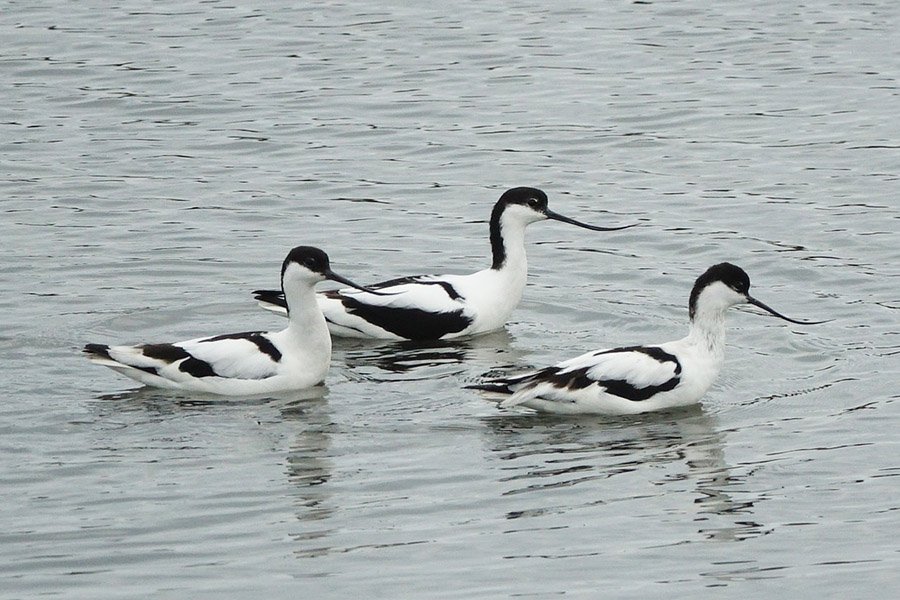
(763, 306)
(558, 217)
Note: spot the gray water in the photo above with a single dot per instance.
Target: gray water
(159, 159)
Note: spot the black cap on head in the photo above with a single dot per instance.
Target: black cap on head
(309, 257)
(536, 200)
(731, 275)
(526, 196)
(738, 280)
(317, 261)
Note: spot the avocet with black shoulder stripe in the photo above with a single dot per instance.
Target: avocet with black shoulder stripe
(636, 379)
(433, 307)
(252, 362)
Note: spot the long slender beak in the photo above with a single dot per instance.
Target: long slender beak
(761, 305)
(558, 217)
(341, 279)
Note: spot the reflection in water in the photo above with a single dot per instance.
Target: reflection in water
(309, 468)
(397, 360)
(553, 453)
(157, 204)
(304, 413)
(159, 401)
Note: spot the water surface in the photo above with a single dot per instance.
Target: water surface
(159, 160)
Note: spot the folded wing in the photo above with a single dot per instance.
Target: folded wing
(417, 308)
(250, 355)
(634, 373)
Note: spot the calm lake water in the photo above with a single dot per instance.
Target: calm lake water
(159, 159)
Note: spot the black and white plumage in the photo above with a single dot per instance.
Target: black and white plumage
(433, 307)
(636, 379)
(243, 363)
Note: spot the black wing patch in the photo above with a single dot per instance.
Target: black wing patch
(102, 351)
(262, 342)
(164, 352)
(409, 323)
(579, 379)
(99, 350)
(498, 386)
(170, 353)
(623, 389)
(420, 280)
(275, 297)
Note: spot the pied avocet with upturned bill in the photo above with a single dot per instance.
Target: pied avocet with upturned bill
(253, 362)
(637, 379)
(436, 307)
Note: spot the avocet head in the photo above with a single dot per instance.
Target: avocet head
(311, 265)
(724, 285)
(527, 205)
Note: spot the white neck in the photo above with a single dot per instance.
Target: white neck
(305, 318)
(493, 293)
(513, 237)
(300, 298)
(514, 269)
(708, 330)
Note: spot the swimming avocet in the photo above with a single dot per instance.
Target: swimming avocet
(636, 379)
(243, 363)
(433, 307)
